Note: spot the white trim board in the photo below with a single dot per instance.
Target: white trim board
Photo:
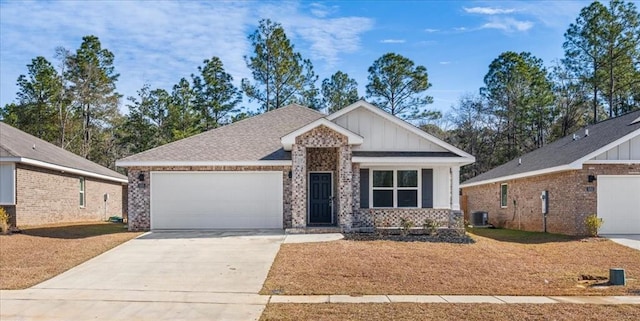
(290, 139)
(202, 163)
(575, 165)
(63, 169)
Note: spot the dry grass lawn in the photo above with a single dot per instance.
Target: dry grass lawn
(37, 254)
(454, 312)
(501, 262)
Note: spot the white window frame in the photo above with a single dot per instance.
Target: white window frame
(13, 184)
(395, 187)
(83, 191)
(506, 196)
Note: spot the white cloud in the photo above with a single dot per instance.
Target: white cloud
(430, 30)
(460, 29)
(392, 41)
(445, 62)
(325, 38)
(507, 24)
(160, 42)
(488, 10)
(320, 10)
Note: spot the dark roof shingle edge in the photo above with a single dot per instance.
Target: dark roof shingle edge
(16, 143)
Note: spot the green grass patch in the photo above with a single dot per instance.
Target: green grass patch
(76, 231)
(517, 236)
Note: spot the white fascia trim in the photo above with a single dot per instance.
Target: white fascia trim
(609, 146)
(400, 123)
(63, 169)
(201, 163)
(526, 174)
(613, 161)
(290, 139)
(411, 160)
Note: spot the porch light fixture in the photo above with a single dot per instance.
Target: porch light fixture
(141, 177)
(290, 174)
(591, 178)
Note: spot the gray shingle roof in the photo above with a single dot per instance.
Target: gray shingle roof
(253, 139)
(16, 143)
(566, 150)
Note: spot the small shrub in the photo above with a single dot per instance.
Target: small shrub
(406, 225)
(430, 226)
(4, 221)
(593, 223)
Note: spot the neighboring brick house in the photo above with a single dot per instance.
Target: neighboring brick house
(593, 171)
(41, 183)
(296, 168)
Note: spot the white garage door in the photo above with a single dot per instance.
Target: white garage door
(619, 204)
(216, 200)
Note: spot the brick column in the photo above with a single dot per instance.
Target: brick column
(345, 188)
(139, 200)
(299, 186)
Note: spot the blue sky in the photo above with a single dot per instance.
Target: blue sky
(158, 42)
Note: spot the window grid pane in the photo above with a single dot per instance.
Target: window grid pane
(382, 178)
(383, 198)
(408, 198)
(407, 178)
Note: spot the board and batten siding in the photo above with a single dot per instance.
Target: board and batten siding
(629, 150)
(441, 187)
(383, 135)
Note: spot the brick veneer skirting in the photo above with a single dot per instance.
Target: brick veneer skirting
(140, 191)
(571, 199)
(391, 217)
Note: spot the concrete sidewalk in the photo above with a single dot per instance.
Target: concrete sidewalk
(628, 240)
(497, 299)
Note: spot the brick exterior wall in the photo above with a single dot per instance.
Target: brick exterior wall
(49, 197)
(571, 199)
(140, 191)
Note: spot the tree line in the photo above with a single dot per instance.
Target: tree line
(522, 106)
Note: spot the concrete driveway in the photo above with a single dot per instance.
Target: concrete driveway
(159, 276)
(629, 240)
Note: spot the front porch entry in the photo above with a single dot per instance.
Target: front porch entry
(321, 198)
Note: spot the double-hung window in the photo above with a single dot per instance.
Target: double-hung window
(82, 190)
(395, 188)
(503, 195)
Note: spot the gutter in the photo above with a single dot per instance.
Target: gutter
(63, 169)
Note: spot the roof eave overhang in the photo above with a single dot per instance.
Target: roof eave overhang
(63, 169)
(126, 163)
(454, 161)
(290, 139)
(561, 168)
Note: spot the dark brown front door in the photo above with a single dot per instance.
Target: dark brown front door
(320, 200)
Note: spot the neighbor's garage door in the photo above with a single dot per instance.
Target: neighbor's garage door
(619, 204)
(212, 200)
